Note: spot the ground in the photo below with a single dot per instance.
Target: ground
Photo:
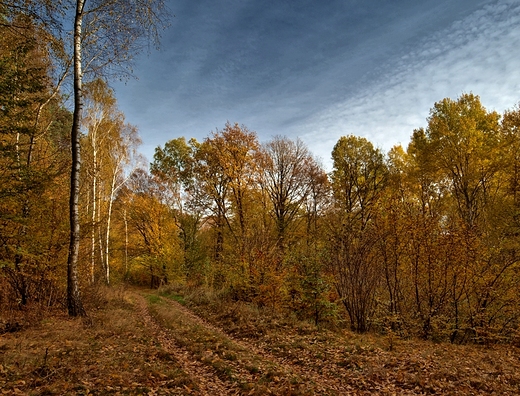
(142, 342)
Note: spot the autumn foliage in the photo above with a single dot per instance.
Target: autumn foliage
(420, 241)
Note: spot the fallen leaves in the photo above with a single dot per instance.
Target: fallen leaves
(158, 347)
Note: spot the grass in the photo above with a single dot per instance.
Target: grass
(115, 352)
(367, 362)
(110, 353)
(172, 296)
(153, 298)
(230, 361)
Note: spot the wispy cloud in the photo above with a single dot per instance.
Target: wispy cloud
(479, 54)
(322, 70)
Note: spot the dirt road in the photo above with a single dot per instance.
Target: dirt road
(139, 342)
(223, 365)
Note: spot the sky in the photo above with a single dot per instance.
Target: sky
(319, 70)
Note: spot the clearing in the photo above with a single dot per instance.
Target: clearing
(142, 342)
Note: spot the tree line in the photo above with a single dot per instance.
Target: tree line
(421, 241)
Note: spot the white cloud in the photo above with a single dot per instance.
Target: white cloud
(479, 54)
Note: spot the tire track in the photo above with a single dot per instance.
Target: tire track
(319, 384)
(209, 384)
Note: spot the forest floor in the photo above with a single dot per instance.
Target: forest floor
(139, 342)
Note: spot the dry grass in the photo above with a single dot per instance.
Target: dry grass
(239, 347)
(231, 361)
(367, 364)
(109, 352)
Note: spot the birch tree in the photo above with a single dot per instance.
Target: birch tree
(111, 147)
(106, 35)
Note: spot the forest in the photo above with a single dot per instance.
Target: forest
(421, 241)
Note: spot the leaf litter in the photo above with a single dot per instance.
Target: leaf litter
(135, 345)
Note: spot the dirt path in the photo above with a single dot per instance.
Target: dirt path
(280, 375)
(137, 342)
(205, 378)
(286, 362)
(319, 383)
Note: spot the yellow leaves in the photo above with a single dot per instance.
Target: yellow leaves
(13, 391)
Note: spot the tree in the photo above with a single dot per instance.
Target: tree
(110, 148)
(115, 30)
(174, 166)
(358, 178)
(235, 149)
(98, 121)
(317, 202)
(114, 33)
(32, 122)
(510, 135)
(156, 246)
(287, 169)
(465, 261)
(393, 229)
(462, 139)
(122, 155)
(218, 175)
(287, 179)
(212, 189)
(432, 241)
(238, 149)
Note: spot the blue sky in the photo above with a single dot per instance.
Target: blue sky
(320, 70)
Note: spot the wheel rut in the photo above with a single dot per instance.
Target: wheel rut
(315, 382)
(206, 378)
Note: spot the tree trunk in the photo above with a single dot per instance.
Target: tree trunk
(113, 189)
(94, 214)
(74, 304)
(126, 243)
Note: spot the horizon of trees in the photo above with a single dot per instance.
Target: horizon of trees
(422, 240)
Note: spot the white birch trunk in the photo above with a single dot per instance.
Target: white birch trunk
(74, 305)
